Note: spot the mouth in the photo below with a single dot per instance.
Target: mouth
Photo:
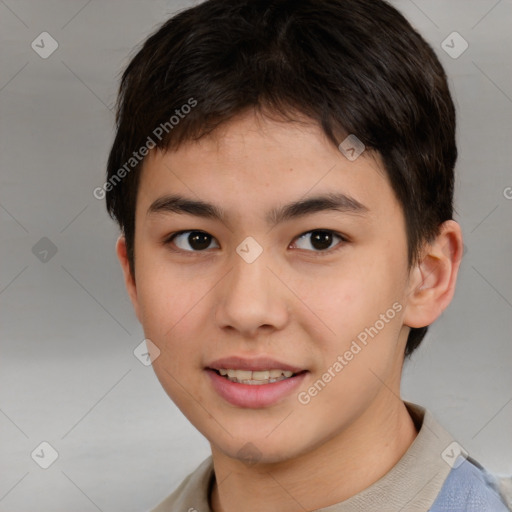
(254, 383)
(255, 378)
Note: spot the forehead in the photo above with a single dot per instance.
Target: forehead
(252, 163)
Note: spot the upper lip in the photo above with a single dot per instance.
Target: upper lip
(255, 364)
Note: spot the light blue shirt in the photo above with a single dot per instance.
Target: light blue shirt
(469, 488)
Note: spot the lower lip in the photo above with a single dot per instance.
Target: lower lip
(254, 396)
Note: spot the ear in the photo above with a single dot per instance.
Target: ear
(432, 280)
(129, 279)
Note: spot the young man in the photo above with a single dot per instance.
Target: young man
(283, 178)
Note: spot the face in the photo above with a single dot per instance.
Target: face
(262, 247)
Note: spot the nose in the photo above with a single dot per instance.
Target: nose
(251, 298)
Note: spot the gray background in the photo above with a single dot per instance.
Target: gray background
(68, 374)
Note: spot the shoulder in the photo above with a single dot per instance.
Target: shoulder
(470, 488)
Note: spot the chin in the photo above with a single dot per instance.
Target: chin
(260, 448)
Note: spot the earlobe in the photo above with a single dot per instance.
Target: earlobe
(432, 281)
(129, 280)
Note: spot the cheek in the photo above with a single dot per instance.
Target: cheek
(170, 315)
(168, 304)
(344, 301)
(358, 306)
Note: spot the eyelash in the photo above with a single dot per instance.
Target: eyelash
(169, 239)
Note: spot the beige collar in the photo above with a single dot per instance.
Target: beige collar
(412, 484)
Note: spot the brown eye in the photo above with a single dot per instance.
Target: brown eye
(192, 241)
(319, 240)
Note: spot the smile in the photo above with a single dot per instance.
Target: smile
(254, 377)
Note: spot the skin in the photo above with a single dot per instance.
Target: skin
(294, 303)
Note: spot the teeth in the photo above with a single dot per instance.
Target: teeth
(257, 377)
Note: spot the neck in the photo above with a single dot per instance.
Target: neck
(349, 462)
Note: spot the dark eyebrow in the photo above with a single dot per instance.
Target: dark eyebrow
(334, 201)
(180, 204)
